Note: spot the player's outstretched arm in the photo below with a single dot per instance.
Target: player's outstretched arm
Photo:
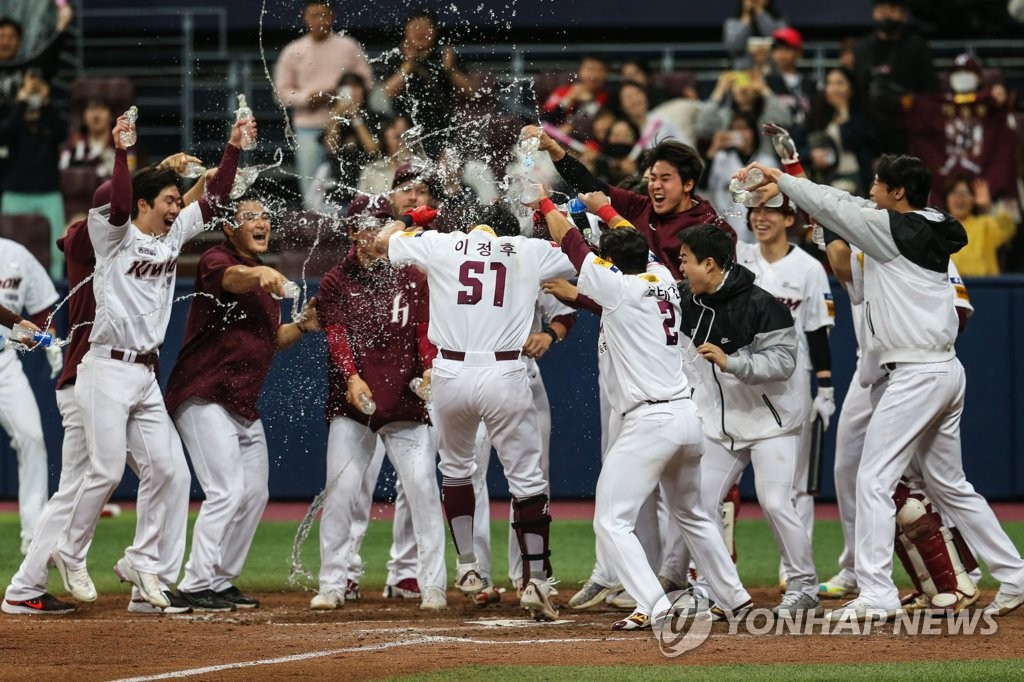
(121, 179)
(9, 318)
(571, 170)
(219, 187)
(239, 279)
(290, 332)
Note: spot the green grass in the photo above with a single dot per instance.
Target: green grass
(572, 544)
(870, 672)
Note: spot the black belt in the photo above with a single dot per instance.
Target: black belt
(461, 356)
(889, 366)
(148, 359)
(655, 402)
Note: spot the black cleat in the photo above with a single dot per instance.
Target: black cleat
(207, 600)
(235, 596)
(45, 604)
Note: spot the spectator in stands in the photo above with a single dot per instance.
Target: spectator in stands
(377, 176)
(888, 64)
(409, 190)
(653, 128)
(45, 59)
(31, 133)
(305, 78)
(969, 201)
(638, 71)
(420, 79)
(744, 93)
(350, 142)
(840, 137)
(617, 159)
(92, 144)
(578, 102)
(794, 89)
(754, 19)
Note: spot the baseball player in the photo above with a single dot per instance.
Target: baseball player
(375, 317)
(232, 332)
(483, 292)
(136, 250)
(912, 327)
(741, 358)
(655, 431)
(24, 286)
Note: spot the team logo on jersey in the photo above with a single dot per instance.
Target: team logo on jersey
(648, 277)
(10, 283)
(605, 264)
(791, 303)
(412, 233)
(830, 305)
(399, 312)
(146, 251)
(144, 269)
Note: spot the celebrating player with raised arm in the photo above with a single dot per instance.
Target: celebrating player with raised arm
(483, 289)
(137, 239)
(657, 434)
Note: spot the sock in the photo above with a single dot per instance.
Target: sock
(459, 504)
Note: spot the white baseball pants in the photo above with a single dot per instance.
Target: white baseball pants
(19, 417)
(229, 456)
(661, 442)
(918, 415)
(350, 452)
(122, 409)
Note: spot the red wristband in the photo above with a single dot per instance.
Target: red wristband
(794, 168)
(606, 213)
(547, 206)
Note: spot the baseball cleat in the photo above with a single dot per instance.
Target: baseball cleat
(590, 595)
(690, 605)
(537, 600)
(148, 583)
(858, 610)
(915, 601)
(44, 604)
(325, 601)
(207, 600)
(794, 603)
(621, 600)
(668, 585)
(1004, 603)
(76, 580)
(407, 588)
(140, 605)
(837, 588)
(953, 602)
(467, 578)
(235, 596)
(634, 621)
(719, 613)
(434, 599)
(352, 591)
(488, 595)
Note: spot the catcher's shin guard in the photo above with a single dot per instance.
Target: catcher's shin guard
(530, 517)
(730, 512)
(932, 553)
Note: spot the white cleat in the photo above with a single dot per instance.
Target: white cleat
(1004, 603)
(467, 578)
(76, 580)
(858, 610)
(148, 583)
(327, 601)
(537, 600)
(434, 599)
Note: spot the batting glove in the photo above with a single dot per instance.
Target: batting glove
(422, 215)
(783, 143)
(824, 404)
(56, 359)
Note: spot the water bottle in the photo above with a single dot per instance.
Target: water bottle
(578, 213)
(291, 290)
(22, 335)
(421, 389)
(754, 177)
(818, 236)
(130, 137)
(528, 146)
(530, 194)
(244, 179)
(244, 113)
(193, 170)
(366, 404)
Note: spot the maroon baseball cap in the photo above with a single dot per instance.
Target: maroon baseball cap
(790, 37)
(378, 208)
(403, 175)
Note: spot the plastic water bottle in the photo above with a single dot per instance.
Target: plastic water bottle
(421, 389)
(244, 179)
(530, 194)
(528, 146)
(291, 290)
(366, 404)
(130, 137)
(244, 113)
(22, 335)
(754, 178)
(818, 236)
(193, 170)
(578, 213)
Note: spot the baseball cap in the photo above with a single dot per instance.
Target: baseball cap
(789, 37)
(361, 205)
(404, 174)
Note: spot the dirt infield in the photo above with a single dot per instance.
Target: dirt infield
(375, 638)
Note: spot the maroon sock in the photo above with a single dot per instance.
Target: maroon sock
(459, 506)
(532, 524)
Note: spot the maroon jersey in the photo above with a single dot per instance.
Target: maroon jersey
(230, 340)
(379, 310)
(81, 260)
(662, 231)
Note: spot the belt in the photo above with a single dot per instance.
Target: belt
(498, 355)
(889, 366)
(148, 359)
(655, 402)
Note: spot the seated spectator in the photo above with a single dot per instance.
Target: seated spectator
(617, 158)
(794, 89)
(633, 105)
(754, 19)
(638, 71)
(731, 150)
(378, 175)
(420, 79)
(746, 94)
(92, 144)
(988, 231)
(30, 131)
(580, 100)
(840, 137)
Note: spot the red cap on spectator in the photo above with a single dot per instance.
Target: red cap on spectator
(789, 36)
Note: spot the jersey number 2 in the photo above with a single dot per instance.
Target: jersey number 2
(671, 336)
(469, 276)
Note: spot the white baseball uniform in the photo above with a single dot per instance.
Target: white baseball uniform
(24, 286)
(120, 399)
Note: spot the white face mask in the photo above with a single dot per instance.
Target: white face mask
(963, 81)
